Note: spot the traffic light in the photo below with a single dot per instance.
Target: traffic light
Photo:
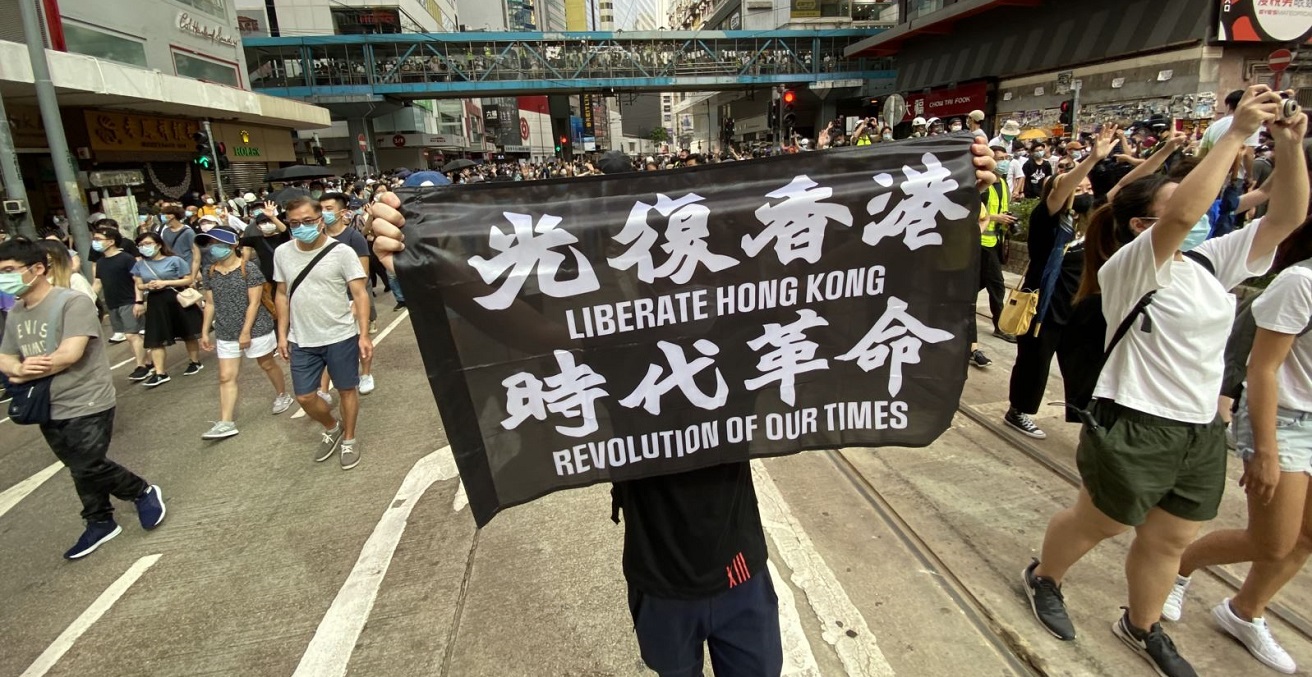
(319, 156)
(221, 150)
(560, 143)
(203, 159)
(1067, 113)
(789, 116)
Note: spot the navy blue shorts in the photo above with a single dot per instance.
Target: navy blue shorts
(740, 626)
(341, 359)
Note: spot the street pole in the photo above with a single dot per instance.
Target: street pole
(1076, 86)
(13, 178)
(65, 171)
(214, 155)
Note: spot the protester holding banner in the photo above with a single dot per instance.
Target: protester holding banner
(1152, 453)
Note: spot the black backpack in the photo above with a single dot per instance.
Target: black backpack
(1082, 347)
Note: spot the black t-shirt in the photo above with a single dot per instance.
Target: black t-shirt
(1036, 172)
(263, 247)
(1068, 284)
(692, 535)
(115, 275)
(1042, 237)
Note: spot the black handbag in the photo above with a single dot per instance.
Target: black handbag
(31, 402)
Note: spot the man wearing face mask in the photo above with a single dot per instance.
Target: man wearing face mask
(1037, 170)
(54, 333)
(319, 328)
(337, 219)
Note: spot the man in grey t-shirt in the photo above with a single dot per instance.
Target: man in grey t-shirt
(52, 336)
(320, 328)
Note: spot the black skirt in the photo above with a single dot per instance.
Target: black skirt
(167, 321)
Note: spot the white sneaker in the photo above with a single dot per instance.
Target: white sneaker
(1174, 606)
(1256, 636)
(118, 337)
(326, 397)
(221, 430)
(366, 384)
(282, 403)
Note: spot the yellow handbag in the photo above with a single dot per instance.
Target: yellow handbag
(1018, 311)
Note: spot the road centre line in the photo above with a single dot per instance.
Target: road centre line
(853, 641)
(11, 496)
(799, 660)
(300, 413)
(329, 651)
(82, 623)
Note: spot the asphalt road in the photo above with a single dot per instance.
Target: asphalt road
(270, 564)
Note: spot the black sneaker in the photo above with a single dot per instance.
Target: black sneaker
(1155, 647)
(193, 369)
(140, 373)
(1009, 338)
(399, 305)
(1024, 423)
(156, 380)
(1047, 603)
(95, 535)
(978, 359)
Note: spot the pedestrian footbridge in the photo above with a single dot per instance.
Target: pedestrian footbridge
(358, 68)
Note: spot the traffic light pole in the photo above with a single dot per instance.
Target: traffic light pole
(218, 179)
(65, 171)
(13, 178)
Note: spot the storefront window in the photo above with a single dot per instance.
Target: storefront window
(215, 8)
(189, 66)
(82, 40)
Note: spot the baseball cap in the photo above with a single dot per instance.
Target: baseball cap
(249, 197)
(976, 115)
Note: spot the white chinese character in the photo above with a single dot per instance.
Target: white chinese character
(648, 393)
(928, 194)
(572, 393)
(793, 354)
(522, 252)
(904, 335)
(685, 241)
(797, 225)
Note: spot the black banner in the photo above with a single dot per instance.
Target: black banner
(579, 331)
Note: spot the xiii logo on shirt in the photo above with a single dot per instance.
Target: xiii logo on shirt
(737, 571)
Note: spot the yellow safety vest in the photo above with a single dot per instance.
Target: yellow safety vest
(997, 202)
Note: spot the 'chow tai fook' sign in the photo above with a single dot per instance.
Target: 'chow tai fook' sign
(618, 327)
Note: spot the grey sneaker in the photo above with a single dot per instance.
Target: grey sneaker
(350, 454)
(221, 430)
(282, 403)
(328, 443)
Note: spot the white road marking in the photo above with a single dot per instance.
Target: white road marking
(799, 661)
(300, 413)
(65, 640)
(855, 645)
(11, 496)
(130, 360)
(330, 649)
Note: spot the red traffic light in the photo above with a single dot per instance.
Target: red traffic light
(1066, 106)
(221, 148)
(790, 96)
(564, 139)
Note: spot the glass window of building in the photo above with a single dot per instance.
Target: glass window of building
(83, 40)
(214, 8)
(196, 68)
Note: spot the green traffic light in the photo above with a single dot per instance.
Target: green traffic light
(204, 162)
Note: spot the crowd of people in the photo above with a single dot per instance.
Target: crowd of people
(1136, 239)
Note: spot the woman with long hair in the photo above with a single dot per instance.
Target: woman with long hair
(60, 269)
(1152, 453)
(1273, 434)
(162, 276)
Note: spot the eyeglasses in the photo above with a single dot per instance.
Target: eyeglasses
(13, 269)
(308, 222)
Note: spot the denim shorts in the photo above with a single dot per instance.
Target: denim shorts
(1293, 437)
(341, 359)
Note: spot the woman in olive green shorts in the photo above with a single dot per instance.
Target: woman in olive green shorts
(1155, 461)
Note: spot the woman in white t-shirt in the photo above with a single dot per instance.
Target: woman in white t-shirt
(1273, 430)
(1155, 459)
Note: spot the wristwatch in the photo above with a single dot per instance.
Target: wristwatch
(139, 303)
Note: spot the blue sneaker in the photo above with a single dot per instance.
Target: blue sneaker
(96, 533)
(150, 507)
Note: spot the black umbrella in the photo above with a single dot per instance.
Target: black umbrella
(285, 195)
(457, 165)
(296, 172)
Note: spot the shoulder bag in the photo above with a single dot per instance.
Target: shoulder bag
(308, 267)
(31, 400)
(1018, 311)
(187, 297)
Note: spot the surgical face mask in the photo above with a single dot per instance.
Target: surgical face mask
(1038, 154)
(316, 193)
(1079, 155)
(268, 228)
(163, 219)
(1083, 203)
(1198, 234)
(149, 250)
(13, 284)
(190, 213)
(220, 251)
(306, 233)
(98, 245)
(257, 212)
(1004, 167)
(888, 137)
(143, 219)
(329, 218)
(209, 200)
(1008, 137)
(955, 128)
(206, 226)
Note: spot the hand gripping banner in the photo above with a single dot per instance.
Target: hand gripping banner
(616, 327)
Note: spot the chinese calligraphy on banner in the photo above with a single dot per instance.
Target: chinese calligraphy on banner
(617, 327)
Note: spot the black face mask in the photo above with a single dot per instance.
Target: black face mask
(1083, 203)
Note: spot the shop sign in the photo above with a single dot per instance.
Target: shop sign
(804, 9)
(116, 177)
(946, 103)
(214, 32)
(112, 131)
(1265, 21)
(418, 141)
